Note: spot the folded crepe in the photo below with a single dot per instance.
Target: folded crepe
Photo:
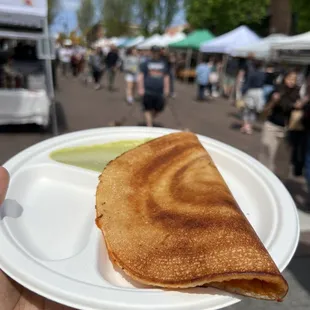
(169, 220)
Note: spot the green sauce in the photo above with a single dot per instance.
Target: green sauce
(94, 157)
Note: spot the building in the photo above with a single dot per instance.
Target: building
(179, 28)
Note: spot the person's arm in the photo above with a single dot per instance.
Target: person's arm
(166, 81)
(141, 75)
(4, 183)
(240, 77)
(140, 83)
(275, 98)
(166, 85)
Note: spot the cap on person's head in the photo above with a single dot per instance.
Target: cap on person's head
(155, 48)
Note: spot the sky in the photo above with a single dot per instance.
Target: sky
(67, 15)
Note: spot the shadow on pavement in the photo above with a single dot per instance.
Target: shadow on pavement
(298, 190)
(62, 122)
(20, 129)
(235, 115)
(154, 125)
(299, 265)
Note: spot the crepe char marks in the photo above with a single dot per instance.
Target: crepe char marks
(169, 220)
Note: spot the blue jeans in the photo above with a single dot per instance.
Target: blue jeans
(308, 161)
(268, 89)
(201, 92)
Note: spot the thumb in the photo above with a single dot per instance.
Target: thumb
(4, 183)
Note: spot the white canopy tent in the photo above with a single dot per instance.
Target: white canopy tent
(155, 39)
(102, 43)
(134, 42)
(294, 49)
(27, 19)
(231, 40)
(262, 49)
(298, 42)
(169, 39)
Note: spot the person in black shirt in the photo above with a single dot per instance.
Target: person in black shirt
(111, 62)
(283, 101)
(153, 85)
(306, 124)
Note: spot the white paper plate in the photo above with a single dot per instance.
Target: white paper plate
(49, 242)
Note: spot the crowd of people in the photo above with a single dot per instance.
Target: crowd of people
(149, 74)
(279, 96)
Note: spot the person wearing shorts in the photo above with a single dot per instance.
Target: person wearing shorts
(153, 85)
(131, 68)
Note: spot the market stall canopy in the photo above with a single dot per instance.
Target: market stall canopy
(102, 43)
(125, 42)
(194, 40)
(298, 42)
(262, 49)
(169, 39)
(136, 41)
(23, 15)
(155, 39)
(295, 49)
(229, 41)
(121, 41)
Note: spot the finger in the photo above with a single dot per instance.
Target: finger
(30, 301)
(9, 292)
(4, 183)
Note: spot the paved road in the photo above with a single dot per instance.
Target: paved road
(82, 108)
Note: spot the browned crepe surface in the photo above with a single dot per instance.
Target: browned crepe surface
(169, 220)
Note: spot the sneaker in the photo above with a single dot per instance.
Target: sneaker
(129, 101)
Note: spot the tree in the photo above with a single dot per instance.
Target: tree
(62, 37)
(301, 8)
(145, 13)
(85, 15)
(165, 12)
(281, 16)
(52, 6)
(117, 16)
(221, 16)
(95, 32)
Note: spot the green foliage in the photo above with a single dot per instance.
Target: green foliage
(85, 15)
(145, 14)
(52, 6)
(62, 37)
(223, 15)
(158, 12)
(302, 9)
(117, 16)
(165, 12)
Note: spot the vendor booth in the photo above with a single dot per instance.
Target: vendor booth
(169, 39)
(262, 49)
(230, 41)
(134, 42)
(294, 49)
(26, 92)
(155, 39)
(191, 45)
